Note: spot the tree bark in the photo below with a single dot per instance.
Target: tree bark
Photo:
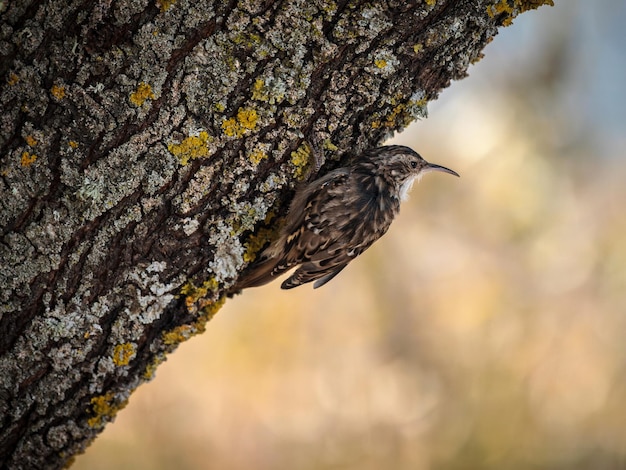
(148, 151)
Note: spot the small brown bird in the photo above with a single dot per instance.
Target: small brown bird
(335, 218)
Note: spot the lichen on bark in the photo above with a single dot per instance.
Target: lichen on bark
(147, 150)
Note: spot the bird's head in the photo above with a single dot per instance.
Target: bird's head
(404, 166)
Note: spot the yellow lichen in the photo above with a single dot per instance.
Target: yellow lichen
(328, 145)
(141, 94)
(261, 92)
(247, 119)
(13, 79)
(401, 115)
(478, 57)
(257, 241)
(104, 408)
(178, 334)
(151, 368)
(123, 353)
(249, 40)
(231, 128)
(417, 48)
(301, 159)
(30, 140)
(430, 3)
(380, 63)
(511, 11)
(391, 120)
(419, 103)
(256, 156)
(73, 144)
(248, 213)
(219, 107)
(211, 284)
(525, 5)
(58, 91)
(207, 310)
(258, 90)
(28, 159)
(165, 5)
(193, 294)
(191, 147)
(502, 7)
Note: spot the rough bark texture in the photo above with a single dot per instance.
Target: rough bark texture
(148, 149)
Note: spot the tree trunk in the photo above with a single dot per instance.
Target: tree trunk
(148, 151)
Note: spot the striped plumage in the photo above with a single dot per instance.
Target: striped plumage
(335, 218)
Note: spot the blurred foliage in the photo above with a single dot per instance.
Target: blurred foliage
(485, 330)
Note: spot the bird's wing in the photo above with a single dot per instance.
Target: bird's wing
(334, 226)
(327, 263)
(298, 235)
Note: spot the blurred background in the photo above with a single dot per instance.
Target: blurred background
(486, 330)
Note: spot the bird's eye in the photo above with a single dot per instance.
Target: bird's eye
(413, 164)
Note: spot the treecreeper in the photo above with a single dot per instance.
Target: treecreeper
(335, 218)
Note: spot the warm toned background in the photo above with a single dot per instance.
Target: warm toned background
(487, 330)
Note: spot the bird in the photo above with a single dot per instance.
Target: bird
(338, 216)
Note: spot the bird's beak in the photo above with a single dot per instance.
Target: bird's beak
(433, 167)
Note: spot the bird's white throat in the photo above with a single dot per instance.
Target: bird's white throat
(408, 184)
